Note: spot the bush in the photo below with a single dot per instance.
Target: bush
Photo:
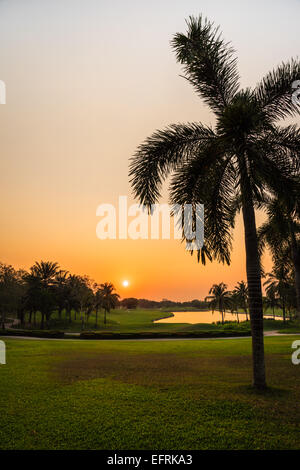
(33, 334)
(116, 335)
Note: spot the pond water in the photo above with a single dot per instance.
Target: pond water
(205, 317)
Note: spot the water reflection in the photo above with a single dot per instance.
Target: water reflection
(205, 317)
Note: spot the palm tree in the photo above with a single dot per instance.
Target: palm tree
(246, 154)
(282, 229)
(84, 297)
(98, 301)
(109, 298)
(41, 282)
(8, 291)
(61, 290)
(46, 271)
(73, 285)
(278, 282)
(271, 301)
(234, 307)
(220, 298)
(241, 292)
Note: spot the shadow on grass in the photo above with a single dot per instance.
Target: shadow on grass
(268, 392)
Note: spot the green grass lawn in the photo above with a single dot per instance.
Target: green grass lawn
(117, 320)
(147, 395)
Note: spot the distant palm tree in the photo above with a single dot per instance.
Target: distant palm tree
(271, 300)
(8, 285)
(241, 291)
(234, 307)
(98, 301)
(282, 231)
(46, 271)
(233, 165)
(279, 283)
(61, 290)
(109, 298)
(41, 288)
(220, 298)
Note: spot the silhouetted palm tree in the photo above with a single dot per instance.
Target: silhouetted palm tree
(98, 301)
(41, 288)
(279, 283)
(8, 291)
(109, 298)
(245, 155)
(46, 271)
(241, 292)
(281, 232)
(219, 299)
(271, 300)
(61, 291)
(84, 297)
(234, 305)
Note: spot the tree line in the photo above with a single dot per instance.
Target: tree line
(47, 288)
(280, 294)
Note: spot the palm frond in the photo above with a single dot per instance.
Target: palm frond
(275, 91)
(161, 153)
(209, 179)
(209, 63)
(282, 144)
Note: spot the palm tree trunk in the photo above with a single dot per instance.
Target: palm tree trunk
(283, 309)
(104, 316)
(254, 287)
(96, 325)
(82, 319)
(42, 321)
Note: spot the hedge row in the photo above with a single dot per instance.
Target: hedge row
(179, 334)
(113, 335)
(33, 333)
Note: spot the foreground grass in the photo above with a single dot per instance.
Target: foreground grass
(147, 395)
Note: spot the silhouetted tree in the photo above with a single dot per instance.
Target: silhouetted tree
(219, 298)
(233, 165)
(241, 292)
(282, 229)
(41, 289)
(109, 298)
(130, 303)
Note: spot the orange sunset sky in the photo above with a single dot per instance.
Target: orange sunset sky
(87, 81)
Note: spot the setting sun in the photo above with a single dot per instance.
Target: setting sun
(125, 283)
